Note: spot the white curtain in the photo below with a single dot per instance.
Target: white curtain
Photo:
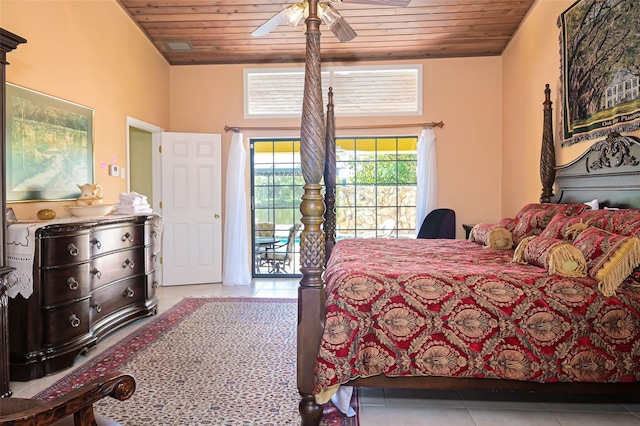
(427, 171)
(235, 270)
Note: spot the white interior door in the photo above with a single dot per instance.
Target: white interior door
(191, 205)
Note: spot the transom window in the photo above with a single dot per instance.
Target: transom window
(358, 91)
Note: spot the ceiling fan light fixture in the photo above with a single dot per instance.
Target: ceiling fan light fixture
(297, 12)
(294, 13)
(338, 25)
(328, 15)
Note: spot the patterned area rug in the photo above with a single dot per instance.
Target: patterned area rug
(207, 361)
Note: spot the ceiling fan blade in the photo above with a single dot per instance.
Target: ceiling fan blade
(343, 30)
(340, 27)
(271, 24)
(392, 3)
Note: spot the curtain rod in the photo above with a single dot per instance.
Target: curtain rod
(378, 126)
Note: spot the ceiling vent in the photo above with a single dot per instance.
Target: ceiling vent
(179, 45)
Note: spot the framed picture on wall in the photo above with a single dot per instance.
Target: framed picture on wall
(49, 146)
(600, 69)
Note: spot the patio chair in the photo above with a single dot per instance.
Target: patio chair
(265, 229)
(280, 257)
(264, 240)
(386, 228)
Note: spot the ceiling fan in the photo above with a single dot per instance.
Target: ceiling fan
(296, 13)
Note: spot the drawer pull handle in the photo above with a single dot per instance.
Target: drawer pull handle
(130, 263)
(74, 321)
(154, 234)
(97, 307)
(154, 258)
(128, 293)
(154, 284)
(96, 273)
(96, 242)
(73, 250)
(127, 237)
(72, 283)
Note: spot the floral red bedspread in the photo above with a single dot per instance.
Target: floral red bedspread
(453, 308)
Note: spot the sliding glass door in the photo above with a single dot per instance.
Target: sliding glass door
(277, 188)
(375, 196)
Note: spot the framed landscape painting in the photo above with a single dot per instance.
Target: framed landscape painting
(49, 146)
(600, 50)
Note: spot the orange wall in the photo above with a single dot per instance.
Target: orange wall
(90, 53)
(464, 93)
(531, 60)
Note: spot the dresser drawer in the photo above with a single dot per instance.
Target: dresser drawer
(64, 284)
(152, 284)
(116, 296)
(151, 259)
(115, 266)
(106, 239)
(152, 236)
(65, 250)
(66, 322)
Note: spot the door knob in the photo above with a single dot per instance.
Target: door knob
(217, 216)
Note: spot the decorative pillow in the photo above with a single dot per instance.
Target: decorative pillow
(563, 227)
(611, 258)
(623, 222)
(561, 224)
(557, 256)
(492, 236)
(534, 218)
(507, 222)
(567, 209)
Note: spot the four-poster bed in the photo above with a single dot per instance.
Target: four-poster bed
(402, 323)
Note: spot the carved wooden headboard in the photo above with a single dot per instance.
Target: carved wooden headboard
(608, 171)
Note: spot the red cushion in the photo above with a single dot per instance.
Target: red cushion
(532, 219)
(611, 258)
(557, 256)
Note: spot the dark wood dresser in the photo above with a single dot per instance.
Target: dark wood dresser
(89, 278)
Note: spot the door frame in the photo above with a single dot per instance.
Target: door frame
(156, 160)
(156, 168)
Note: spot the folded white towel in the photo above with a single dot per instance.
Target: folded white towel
(132, 196)
(133, 201)
(132, 207)
(122, 209)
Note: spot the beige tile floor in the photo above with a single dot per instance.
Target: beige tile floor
(391, 407)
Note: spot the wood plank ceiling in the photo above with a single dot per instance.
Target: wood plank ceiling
(219, 31)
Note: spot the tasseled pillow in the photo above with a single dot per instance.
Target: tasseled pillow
(611, 258)
(557, 256)
(491, 236)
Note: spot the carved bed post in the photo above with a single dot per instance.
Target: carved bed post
(548, 151)
(330, 179)
(311, 293)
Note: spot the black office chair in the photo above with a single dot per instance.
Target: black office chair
(439, 223)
